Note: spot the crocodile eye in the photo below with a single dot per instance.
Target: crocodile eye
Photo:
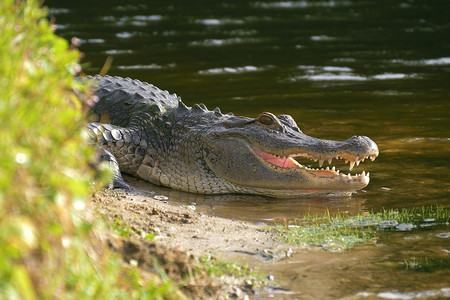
(266, 120)
(269, 120)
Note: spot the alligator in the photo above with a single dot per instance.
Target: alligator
(153, 135)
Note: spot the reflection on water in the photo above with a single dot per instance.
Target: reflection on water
(257, 209)
(340, 68)
(373, 272)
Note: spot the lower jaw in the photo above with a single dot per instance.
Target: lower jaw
(300, 193)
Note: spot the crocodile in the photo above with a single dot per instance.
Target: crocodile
(154, 136)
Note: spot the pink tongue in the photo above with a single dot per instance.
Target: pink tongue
(281, 162)
(273, 160)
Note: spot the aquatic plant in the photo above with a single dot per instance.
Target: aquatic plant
(425, 264)
(342, 231)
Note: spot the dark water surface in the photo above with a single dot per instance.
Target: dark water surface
(340, 68)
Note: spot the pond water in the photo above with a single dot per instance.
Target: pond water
(340, 68)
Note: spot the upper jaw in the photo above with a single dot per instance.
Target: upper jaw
(288, 162)
(354, 151)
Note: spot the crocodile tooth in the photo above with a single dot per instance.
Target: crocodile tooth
(330, 160)
(363, 174)
(346, 161)
(352, 164)
(327, 169)
(333, 169)
(372, 157)
(357, 162)
(338, 172)
(293, 161)
(321, 162)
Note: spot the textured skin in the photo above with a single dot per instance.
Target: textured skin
(143, 134)
(157, 138)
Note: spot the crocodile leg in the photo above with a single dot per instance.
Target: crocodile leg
(128, 152)
(117, 180)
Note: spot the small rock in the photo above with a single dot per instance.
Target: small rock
(404, 227)
(387, 224)
(160, 197)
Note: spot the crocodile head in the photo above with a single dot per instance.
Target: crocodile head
(260, 155)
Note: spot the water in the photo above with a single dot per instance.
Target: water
(340, 68)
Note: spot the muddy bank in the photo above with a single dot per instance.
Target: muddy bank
(182, 236)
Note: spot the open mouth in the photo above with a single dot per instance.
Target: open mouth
(288, 162)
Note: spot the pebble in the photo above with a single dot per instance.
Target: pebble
(160, 197)
(404, 227)
(387, 224)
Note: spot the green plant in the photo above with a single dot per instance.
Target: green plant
(425, 264)
(217, 268)
(343, 232)
(47, 248)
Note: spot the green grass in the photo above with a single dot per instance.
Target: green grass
(125, 230)
(218, 268)
(426, 265)
(47, 250)
(415, 214)
(342, 232)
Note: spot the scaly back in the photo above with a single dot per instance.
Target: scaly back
(122, 100)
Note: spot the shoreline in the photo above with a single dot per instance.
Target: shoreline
(181, 237)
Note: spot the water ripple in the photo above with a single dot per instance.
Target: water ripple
(223, 42)
(424, 62)
(216, 22)
(444, 292)
(94, 41)
(443, 235)
(134, 67)
(322, 38)
(302, 4)
(391, 76)
(140, 20)
(228, 70)
(125, 35)
(334, 73)
(118, 51)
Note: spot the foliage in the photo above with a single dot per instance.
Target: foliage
(125, 230)
(47, 249)
(426, 265)
(218, 268)
(341, 232)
